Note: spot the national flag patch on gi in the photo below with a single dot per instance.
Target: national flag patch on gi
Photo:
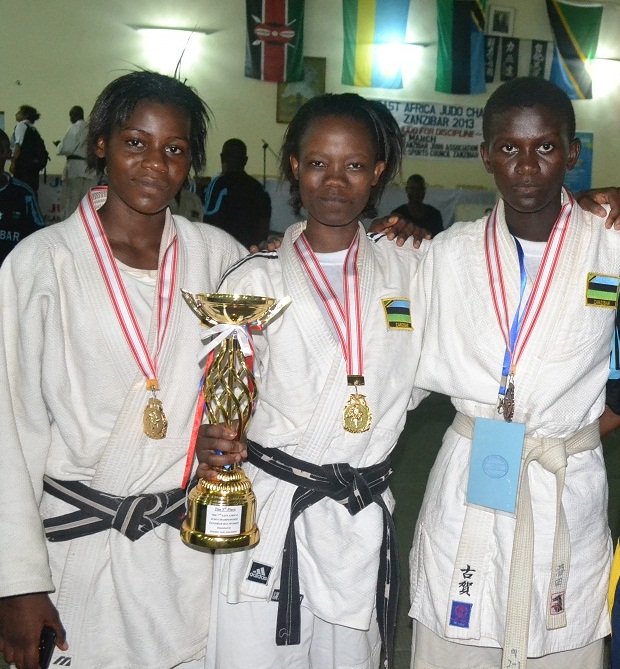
(602, 290)
(275, 38)
(460, 614)
(397, 313)
(259, 573)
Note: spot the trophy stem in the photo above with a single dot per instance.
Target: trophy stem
(222, 511)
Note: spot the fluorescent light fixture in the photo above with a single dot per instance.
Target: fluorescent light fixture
(202, 31)
(163, 48)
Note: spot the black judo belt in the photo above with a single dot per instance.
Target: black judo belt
(355, 489)
(132, 516)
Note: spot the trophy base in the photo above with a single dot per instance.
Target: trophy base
(222, 513)
(208, 542)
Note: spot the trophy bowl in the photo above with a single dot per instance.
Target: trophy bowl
(216, 308)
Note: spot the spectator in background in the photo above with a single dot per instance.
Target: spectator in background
(235, 201)
(19, 211)
(423, 215)
(76, 177)
(27, 160)
(186, 203)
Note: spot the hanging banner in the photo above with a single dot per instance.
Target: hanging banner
(509, 63)
(460, 46)
(371, 28)
(438, 131)
(576, 27)
(274, 40)
(510, 57)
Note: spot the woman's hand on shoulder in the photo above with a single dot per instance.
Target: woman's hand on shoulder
(272, 243)
(399, 228)
(591, 200)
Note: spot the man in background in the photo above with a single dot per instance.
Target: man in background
(76, 178)
(19, 211)
(423, 215)
(235, 201)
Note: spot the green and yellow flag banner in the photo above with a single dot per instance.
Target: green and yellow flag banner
(576, 28)
(460, 48)
(373, 32)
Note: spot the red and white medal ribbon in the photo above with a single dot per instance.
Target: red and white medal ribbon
(542, 284)
(347, 318)
(120, 300)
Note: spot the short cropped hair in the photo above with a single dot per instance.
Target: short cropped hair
(382, 127)
(417, 179)
(235, 148)
(524, 92)
(30, 113)
(77, 111)
(119, 98)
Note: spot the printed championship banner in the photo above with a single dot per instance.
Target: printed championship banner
(438, 131)
(274, 44)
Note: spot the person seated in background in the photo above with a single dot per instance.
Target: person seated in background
(19, 211)
(235, 201)
(423, 215)
(76, 177)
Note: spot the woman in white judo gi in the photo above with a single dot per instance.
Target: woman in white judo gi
(335, 377)
(98, 387)
(511, 554)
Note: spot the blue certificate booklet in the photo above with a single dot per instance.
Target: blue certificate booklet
(495, 464)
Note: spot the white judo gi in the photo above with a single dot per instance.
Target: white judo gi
(302, 386)
(559, 389)
(72, 399)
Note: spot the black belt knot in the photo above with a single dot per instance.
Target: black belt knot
(355, 489)
(349, 486)
(133, 516)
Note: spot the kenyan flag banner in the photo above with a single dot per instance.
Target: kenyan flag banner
(275, 38)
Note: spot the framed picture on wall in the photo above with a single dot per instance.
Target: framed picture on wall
(290, 96)
(501, 21)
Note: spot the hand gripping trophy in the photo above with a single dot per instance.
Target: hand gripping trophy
(222, 511)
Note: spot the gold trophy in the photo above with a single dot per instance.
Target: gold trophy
(222, 511)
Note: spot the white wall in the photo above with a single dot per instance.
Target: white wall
(57, 53)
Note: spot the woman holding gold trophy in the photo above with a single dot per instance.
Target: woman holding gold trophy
(335, 379)
(99, 379)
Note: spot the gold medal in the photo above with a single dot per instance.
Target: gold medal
(154, 421)
(356, 417)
